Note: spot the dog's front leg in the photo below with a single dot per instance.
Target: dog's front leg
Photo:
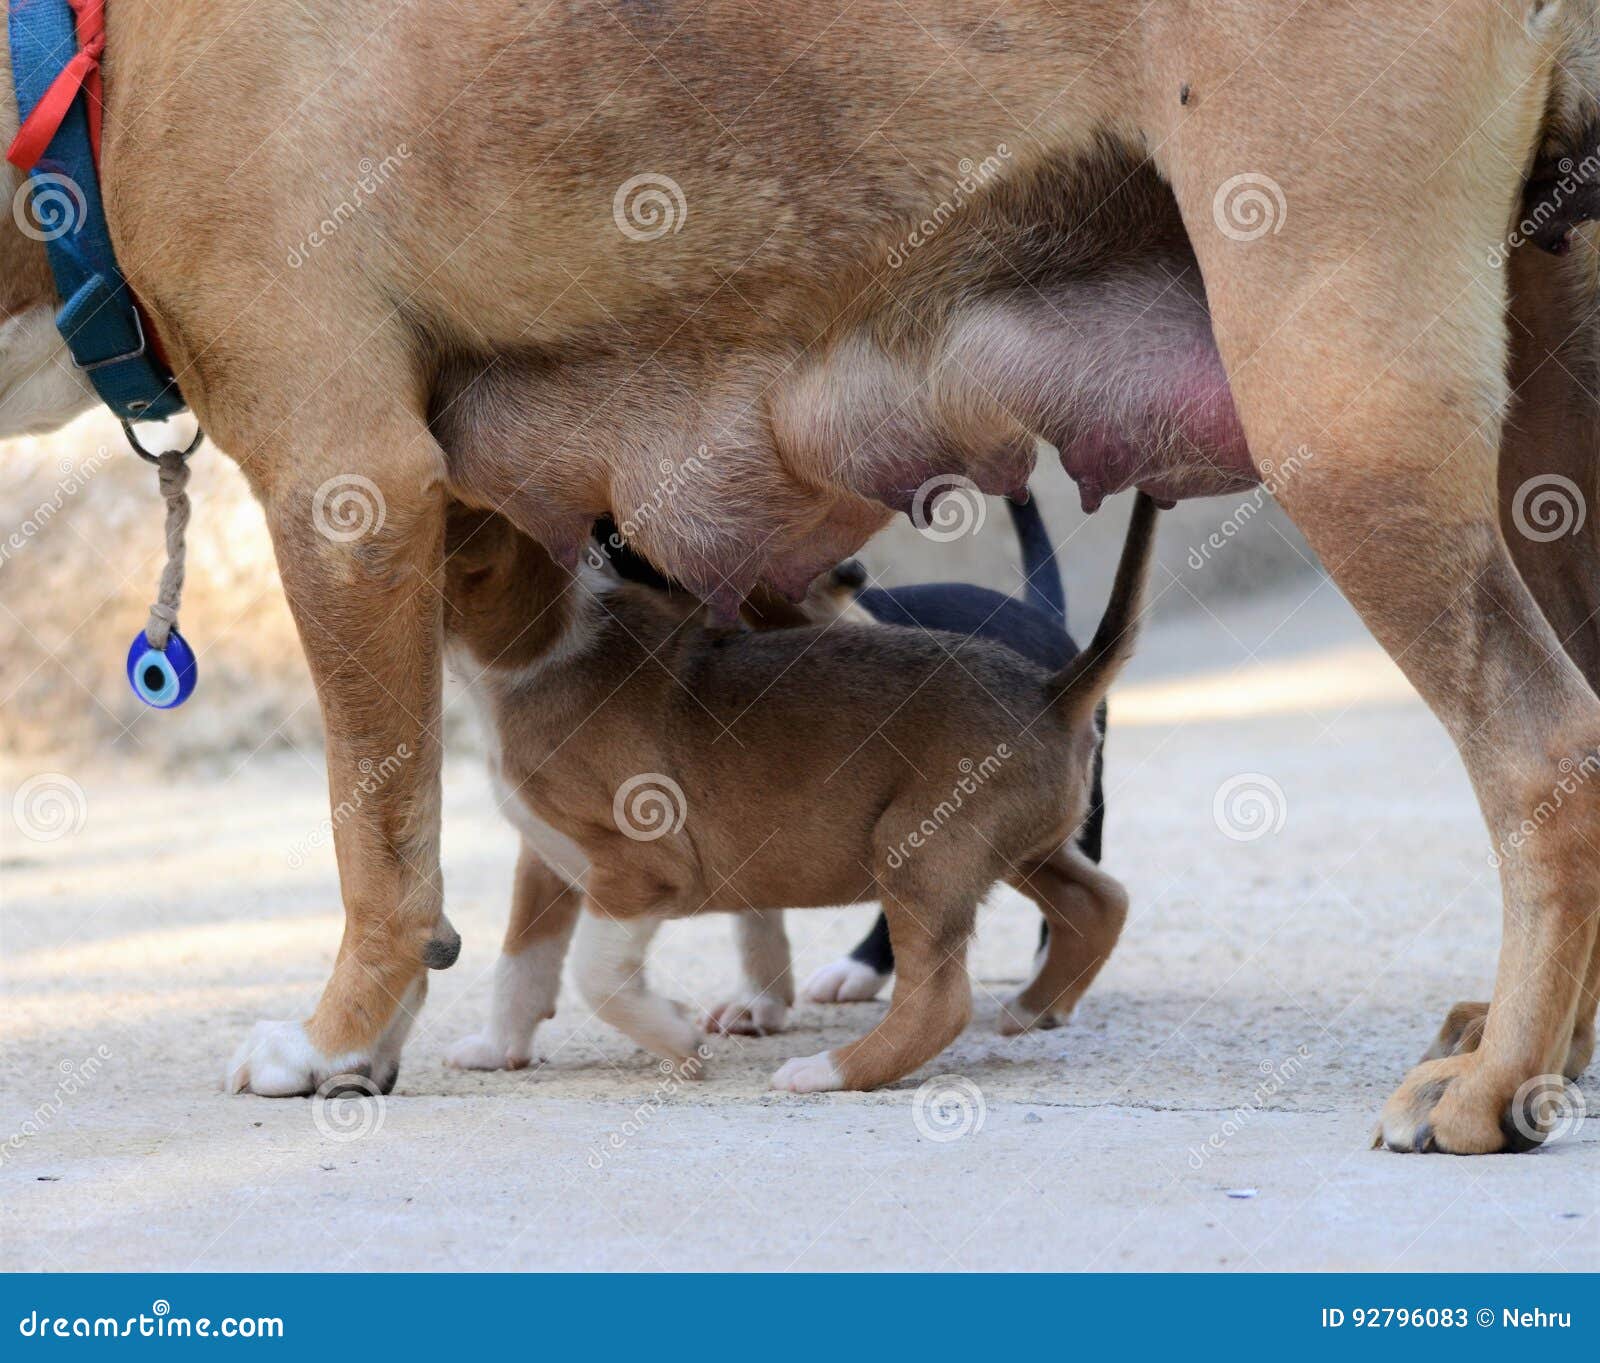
(1365, 336)
(527, 978)
(359, 543)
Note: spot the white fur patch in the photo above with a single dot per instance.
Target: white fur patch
(610, 956)
(844, 981)
(525, 990)
(277, 1060)
(41, 390)
(809, 1074)
(754, 1015)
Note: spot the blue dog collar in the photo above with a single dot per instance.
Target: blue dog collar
(55, 60)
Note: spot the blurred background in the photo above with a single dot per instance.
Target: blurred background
(81, 527)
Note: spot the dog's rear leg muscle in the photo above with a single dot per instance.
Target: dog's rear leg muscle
(359, 539)
(1084, 909)
(1380, 407)
(527, 977)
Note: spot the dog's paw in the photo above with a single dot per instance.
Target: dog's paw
(1438, 1109)
(809, 1074)
(758, 1015)
(1017, 1016)
(278, 1060)
(846, 980)
(481, 1051)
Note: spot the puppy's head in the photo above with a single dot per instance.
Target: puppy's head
(499, 589)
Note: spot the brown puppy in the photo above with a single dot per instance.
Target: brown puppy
(810, 259)
(672, 769)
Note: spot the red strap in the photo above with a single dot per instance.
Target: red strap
(82, 73)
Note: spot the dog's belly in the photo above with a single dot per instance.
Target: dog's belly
(1072, 311)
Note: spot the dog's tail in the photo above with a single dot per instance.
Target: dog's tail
(1082, 683)
(1041, 574)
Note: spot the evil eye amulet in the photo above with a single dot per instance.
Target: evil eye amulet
(162, 678)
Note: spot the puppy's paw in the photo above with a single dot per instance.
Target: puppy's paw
(484, 1052)
(846, 980)
(1018, 1015)
(758, 1015)
(278, 1060)
(809, 1074)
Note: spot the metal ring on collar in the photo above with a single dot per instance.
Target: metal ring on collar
(127, 430)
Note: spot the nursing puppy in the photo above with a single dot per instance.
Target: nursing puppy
(1034, 625)
(636, 749)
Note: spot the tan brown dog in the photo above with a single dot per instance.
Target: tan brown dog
(672, 769)
(528, 256)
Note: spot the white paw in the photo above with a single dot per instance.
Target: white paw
(1017, 1017)
(759, 1015)
(844, 981)
(482, 1052)
(277, 1060)
(809, 1074)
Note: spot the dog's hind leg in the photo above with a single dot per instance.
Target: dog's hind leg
(359, 535)
(766, 990)
(1366, 342)
(527, 977)
(931, 1003)
(1084, 910)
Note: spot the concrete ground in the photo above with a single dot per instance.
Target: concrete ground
(1311, 893)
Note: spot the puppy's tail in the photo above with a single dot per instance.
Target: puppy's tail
(1081, 684)
(1041, 574)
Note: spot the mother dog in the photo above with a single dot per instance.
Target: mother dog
(739, 248)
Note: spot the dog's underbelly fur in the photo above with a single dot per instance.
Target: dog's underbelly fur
(1069, 309)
